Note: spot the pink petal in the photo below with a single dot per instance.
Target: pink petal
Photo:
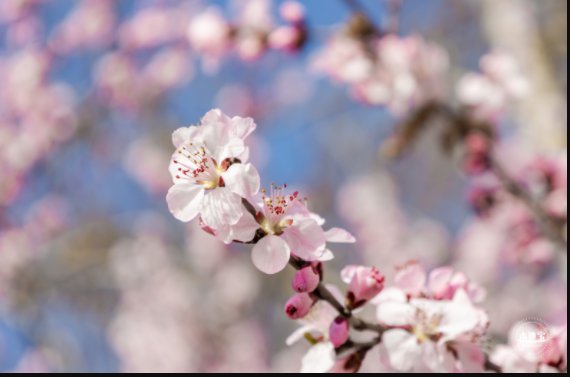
(185, 200)
(271, 254)
(242, 179)
(339, 235)
(411, 279)
(305, 238)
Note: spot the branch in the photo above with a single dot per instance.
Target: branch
(548, 226)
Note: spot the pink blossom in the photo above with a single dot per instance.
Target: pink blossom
(169, 68)
(89, 26)
(400, 73)
(299, 305)
(152, 27)
(292, 11)
(210, 172)
(306, 279)
(286, 38)
(364, 284)
(488, 93)
(209, 33)
(287, 228)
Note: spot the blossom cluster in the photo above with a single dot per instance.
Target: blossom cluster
(250, 35)
(424, 322)
(401, 73)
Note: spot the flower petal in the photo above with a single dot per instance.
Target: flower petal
(221, 207)
(306, 238)
(242, 127)
(339, 235)
(244, 230)
(184, 200)
(319, 359)
(242, 179)
(395, 313)
(183, 135)
(403, 349)
(271, 254)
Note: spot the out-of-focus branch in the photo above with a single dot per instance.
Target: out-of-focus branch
(459, 124)
(548, 226)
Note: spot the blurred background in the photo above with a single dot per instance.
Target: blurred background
(97, 276)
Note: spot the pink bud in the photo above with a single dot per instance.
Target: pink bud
(482, 199)
(298, 305)
(338, 331)
(364, 285)
(285, 38)
(292, 11)
(477, 143)
(476, 163)
(305, 280)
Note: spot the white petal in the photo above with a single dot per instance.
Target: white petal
(183, 135)
(339, 235)
(403, 349)
(242, 127)
(220, 142)
(271, 254)
(390, 294)
(242, 179)
(319, 359)
(243, 231)
(214, 116)
(221, 207)
(326, 256)
(395, 313)
(185, 200)
(298, 334)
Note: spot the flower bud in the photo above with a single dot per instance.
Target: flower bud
(365, 284)
(305, 280)
(338, 331)
(298, 305)
(292, 11)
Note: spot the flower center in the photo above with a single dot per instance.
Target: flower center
(426, 327)
(275, 208)
(196, 164)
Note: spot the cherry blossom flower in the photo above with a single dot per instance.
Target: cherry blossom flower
(426, 331)
(287, 228)
(364, 284)
(400, 73)
(89, 26)
(546, 356)
(210, 171)
(442, 283)
(209, 35)
(487, 94)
